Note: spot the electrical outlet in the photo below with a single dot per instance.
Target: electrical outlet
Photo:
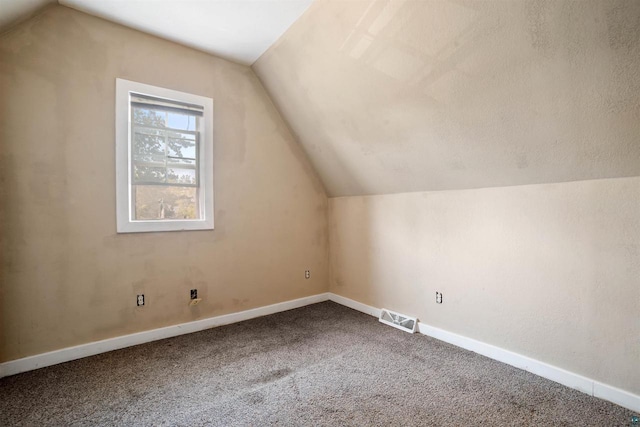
(438, 297)
(307, 274)
(194, 293)
(140, 300)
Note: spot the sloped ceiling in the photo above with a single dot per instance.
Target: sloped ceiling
(398, 96)
(392, 96)
(238, 30)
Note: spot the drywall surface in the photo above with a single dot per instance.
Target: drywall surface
(399, 96)
(549, 271)
(13, 11)
(67, 277)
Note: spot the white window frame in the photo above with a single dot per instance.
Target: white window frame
(124, 217)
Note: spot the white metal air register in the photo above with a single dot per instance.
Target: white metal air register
(399, 321)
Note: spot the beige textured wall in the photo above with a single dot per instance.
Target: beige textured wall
(419, 95)
(549, 271)
(67, 277)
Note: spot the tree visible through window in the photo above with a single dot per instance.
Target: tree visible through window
(165, 159)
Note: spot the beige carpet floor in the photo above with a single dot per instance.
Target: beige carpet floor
(321, 365)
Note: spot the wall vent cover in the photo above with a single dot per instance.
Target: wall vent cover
(400, 321)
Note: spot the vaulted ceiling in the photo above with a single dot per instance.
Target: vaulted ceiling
(238, 30)
(399, 96)
(391, 96)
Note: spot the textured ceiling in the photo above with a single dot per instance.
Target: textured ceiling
(399, 96)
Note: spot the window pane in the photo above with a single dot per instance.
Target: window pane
(181, 145)
(181, 121)
(157, 160)
(149, 117)
(142, 173)
(145, 146)
(182, 148)
(155, 202)
(181, 176)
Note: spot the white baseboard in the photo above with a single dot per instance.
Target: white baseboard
(578, 382)
(358, 306)
(617, 396)
(72, 353)
(569, 379)
(542, 369)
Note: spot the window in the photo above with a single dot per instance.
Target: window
(164, 159)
